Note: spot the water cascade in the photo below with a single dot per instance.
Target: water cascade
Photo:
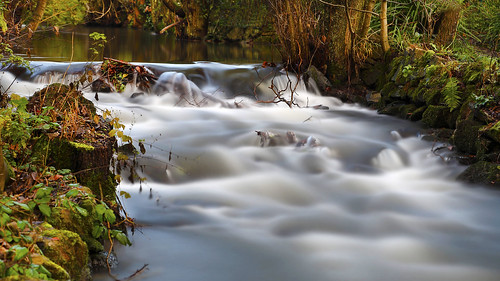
(241, 189)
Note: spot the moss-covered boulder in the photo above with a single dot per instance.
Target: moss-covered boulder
(68, 250)
(466, 137)
(437, 116)
(56, 271)
(482, 172)
(63, 218)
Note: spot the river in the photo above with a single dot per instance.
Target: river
(229, 195)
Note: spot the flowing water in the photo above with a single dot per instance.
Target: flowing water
(249, 191)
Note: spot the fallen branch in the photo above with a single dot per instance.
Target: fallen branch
(171, 25)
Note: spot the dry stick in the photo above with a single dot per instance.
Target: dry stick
(350, 8)
(171, 25)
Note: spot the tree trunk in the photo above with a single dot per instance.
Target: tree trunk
(447, 25)
(367, 19)
(341, 38)
(197, 18)
(384, 37)
(37, 17)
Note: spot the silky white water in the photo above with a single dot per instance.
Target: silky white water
(358, 196)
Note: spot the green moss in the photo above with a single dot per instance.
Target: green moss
(466, 136)
(406, 111)
(66, 219)
(432, 96)
(436, 116)
(482, 173)
(81, 146)
(493, 131)
(67, 249)
(56, 271)
(418, 113)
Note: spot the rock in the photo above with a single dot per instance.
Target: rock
(436, 116)
(493, 132)
(321, 81)
(374, 97)
(482, 173)
(99, 85)
(466, 136)
(67, 249)
(63, 218)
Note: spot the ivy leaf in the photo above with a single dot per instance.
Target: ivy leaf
(110, 216)
(6, 209)
(97, 231)
(22, 205)
(100, 209)
(125, 194)
(122, 238)
(81, 210)
(45, 209)
(72, 193)
(20, 252)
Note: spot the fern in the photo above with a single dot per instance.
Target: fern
(451, 93)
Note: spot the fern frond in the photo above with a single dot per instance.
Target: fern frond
(451, 93)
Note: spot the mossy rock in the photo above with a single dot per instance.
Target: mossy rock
(466, 136)
(418, 113)
(66, 219)
(436, 116)
(482, 172)
(493, 132)
(68, 250)
(56, 271)
(392, 109)
(406, 111)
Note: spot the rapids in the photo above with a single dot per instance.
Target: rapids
(356, 196)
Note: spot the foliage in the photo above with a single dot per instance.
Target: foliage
(451, 93)
(64, 12)
(481, 23)
(99, 40)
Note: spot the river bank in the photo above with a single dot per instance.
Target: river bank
(58, 203)
(456, 97)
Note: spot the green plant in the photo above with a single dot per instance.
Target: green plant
(407, 70)
(99, 40)
(451, 93)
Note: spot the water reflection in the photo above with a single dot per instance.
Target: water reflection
(73, 43)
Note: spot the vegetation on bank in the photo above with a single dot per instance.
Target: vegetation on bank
(58, 202)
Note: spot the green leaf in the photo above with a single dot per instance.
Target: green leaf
(97, 231)
(100, 209)
(125, 194)
(45, 209)
(81, 210)
(6, 209)
(110, 216)
(72, 193)
(20, 252)
(4, 219)
(2, 267)
(32, 205)
(122, 238)
(22, 205)
(43, 270)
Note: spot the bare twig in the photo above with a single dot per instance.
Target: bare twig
(350, 8)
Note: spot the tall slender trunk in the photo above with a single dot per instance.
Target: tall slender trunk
(37, 17)
(384, 37)
(367, 19)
